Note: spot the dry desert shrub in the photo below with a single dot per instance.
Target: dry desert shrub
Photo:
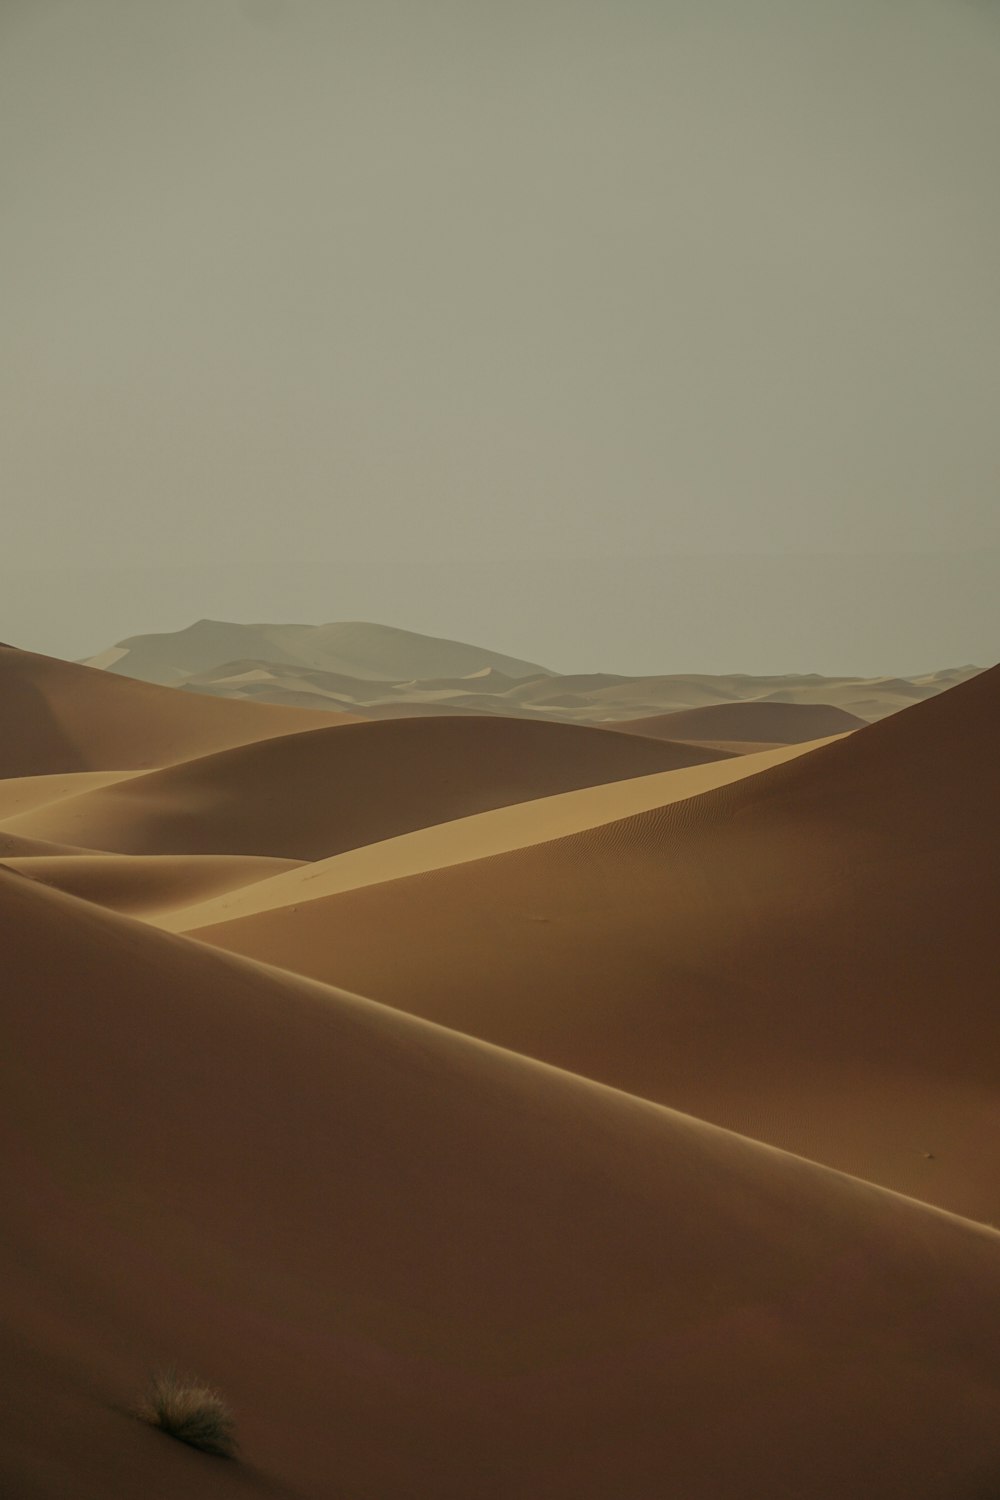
(190, 1412)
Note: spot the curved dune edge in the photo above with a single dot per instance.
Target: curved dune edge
(62, 717)
(526, 1280)
(308, 796)
(12, 846)
(22, 794)
(481, 836)
(747, 721)
(807, 956)
(146, 884)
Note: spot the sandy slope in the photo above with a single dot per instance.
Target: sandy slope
(477, 837)
(420, 1267)
(310, 795)
(764, 722)
(13, 846)
(60, 717)
(146, 884)
(20, 794)
(807, 956)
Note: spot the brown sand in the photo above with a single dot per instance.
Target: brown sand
(807, 956)
(59, 716)
(480, 836)
(754, 722)
(422, 1267)
(19, 794)
(14, 847)
(146, 884)
(307, 796)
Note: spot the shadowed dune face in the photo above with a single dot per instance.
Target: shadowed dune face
(748, 723)
(480, 836)
(310, 795)
(418, 1265)
(807, 956)
(511, 1282)
(149, 884)
(61, 717)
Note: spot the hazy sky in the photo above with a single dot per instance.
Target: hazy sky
(634, 334)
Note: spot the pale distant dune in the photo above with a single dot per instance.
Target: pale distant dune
(418, 1266)
(306, 796)
(356, 648)
(379, 672)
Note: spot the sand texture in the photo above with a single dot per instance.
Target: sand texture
(494, 1107)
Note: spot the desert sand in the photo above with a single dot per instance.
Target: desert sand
(62, 717)
(496, 1106)
(806, 955)
(304, 796)
(373, 671)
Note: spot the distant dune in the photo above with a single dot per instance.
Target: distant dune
(807, 956)
(354, 648)
(306, 796)
(764, 722)
(62, 717)
(378, 672)
(418, 1266)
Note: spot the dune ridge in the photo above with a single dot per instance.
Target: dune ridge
(761, 721)
(481, 835)
(310, 795)
(147, 884)
(806, 955)
(63, 717)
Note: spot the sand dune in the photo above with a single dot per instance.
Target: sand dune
(353, 648)
(145, 883)
(12, 846)
(380, 672)
(807, 956)
(480, 836)
(62, 717)
(419, 1266)
(19, 794)
(310, 795)
(762, 722)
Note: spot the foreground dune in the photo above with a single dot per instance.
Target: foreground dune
(481, 836)
(807, 956)
(422, 1267)
(310, 795)
(59, 717)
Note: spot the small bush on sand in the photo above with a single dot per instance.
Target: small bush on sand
(190, 1412)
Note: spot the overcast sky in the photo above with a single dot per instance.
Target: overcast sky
(632, 334)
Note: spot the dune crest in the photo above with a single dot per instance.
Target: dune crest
(62, 717)
(307, 796)
(806, 955)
